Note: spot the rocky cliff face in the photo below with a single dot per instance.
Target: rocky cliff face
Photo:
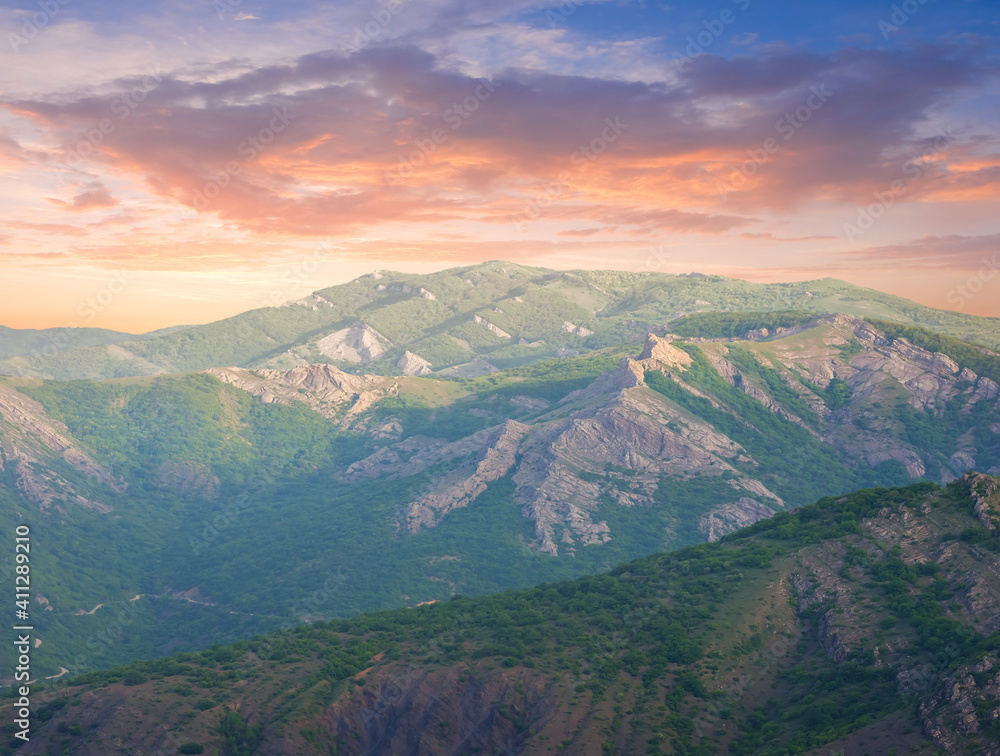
(957, 705)
(331, 392)
(880, 373)
(732, 516)
(556, 459)
(966, 708)
(30, 439)
(559, 460)
(413, 364)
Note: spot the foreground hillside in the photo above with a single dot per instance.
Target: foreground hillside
(464, 321)
(152, 499)
(867, 623)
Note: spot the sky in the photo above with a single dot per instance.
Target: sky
(170, 163)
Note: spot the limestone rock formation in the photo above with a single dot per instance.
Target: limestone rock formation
(412, 364)
(326, 389)
(732, 516)
(360, 343)
(495, 330)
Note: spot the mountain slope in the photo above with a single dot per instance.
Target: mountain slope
(473, 320)
(865, 623)
(168, 488)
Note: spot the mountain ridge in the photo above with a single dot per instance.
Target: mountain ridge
(481, 317)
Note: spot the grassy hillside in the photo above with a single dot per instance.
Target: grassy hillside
(539, 314)
(827, 629)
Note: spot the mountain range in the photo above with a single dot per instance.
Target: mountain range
(408, 440)
(464, 320)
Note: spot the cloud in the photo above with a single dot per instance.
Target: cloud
(581, 233)
(768, 236)
(57, 229)
(95, 195)
(744, 39)
(948, 253)
(391, 137)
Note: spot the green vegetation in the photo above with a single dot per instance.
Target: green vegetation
(773, 382)
(239, 738)
(716, 325)
(837, 393)
(647, 651)
(486, 400)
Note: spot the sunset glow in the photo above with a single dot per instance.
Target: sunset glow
(214, 157)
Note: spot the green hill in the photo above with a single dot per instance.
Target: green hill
(866, 623)
(506, 314)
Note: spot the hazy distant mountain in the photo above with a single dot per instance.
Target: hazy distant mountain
(34, 343)
(867, 623)
(472, 320)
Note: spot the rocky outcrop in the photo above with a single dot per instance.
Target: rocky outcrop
(495, 330)
(463, 485)
(657, 354)
(529, 403)
(987, 505)
(412, 364)
(966, 704)
(360, 343)
(406, 289)
(329, 391)
(726, 518)
(568, 327)
(559, 462)
(737, 379)
(663, 353)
